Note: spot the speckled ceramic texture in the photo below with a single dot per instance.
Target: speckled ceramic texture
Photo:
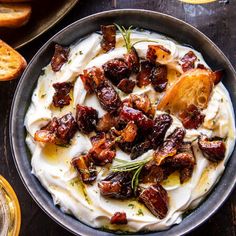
(167, 25)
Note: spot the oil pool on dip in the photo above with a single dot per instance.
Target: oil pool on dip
(58, 162)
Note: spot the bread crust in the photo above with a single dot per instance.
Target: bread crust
(14, 15)
(12, 64)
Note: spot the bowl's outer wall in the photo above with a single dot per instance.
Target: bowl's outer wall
(158, 22)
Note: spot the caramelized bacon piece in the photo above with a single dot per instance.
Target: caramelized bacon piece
(170, 146)
(218, 76)
(144, 76)
(130, 114)
(85, 167)
(188, 61)
(58, 131)
(161, 125)
(106, 122)
(191, 117)
(119, 218)
(91, 78)
(86, 118)
(157, 53)
(116, 185)
(109, 37)
(132, 60)
(60, 57)
(213, 150)
(159, 77)
(46, 136)
(102, 151)
(108, 97)
(142, 103)
(61, 97)
(116, 69)
(126, 85)
(129, 133)
(155, 198)
(140, 149)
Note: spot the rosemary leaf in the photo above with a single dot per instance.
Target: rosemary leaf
(145, 40)
(128, 166)
(135, 179)
(126, 35)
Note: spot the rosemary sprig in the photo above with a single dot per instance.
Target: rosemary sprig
(145, 40)
(134, 166)
(126, 35)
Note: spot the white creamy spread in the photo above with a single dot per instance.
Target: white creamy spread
(51, 163)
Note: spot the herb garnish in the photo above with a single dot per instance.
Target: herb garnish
(126, 35)
(140, 212)
(135, 166)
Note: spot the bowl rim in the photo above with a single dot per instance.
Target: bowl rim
(55, 217)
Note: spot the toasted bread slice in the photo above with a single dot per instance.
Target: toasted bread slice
(14, 15)
(193, 87)
(12, 63)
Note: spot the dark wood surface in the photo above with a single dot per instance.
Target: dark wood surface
(216, 20)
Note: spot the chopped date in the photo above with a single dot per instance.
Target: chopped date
(60, 57)
(140, 149)
(117, 185)
(119, 218)
(108, 37)
(213, 150)
(188, 61)
(116, 69)
(132, 60)
(130, 114)
(102, 151)
(161, 125)
(125, 146)
(191, 117)
(157, 53)
(182, 161)
(200, 66)
(126, 85)
(86, 168)
(159, 77)
(144, 76)
(108, 97)
(170, 146)
(86, 118)
(185, 174)
(106, 122)
(61, 97)
(152, 173)
(218, 76)
(58, 131)
(155, 198)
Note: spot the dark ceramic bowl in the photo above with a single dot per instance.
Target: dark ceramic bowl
(158, 22)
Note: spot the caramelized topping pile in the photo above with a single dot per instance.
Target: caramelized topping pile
(132, 124)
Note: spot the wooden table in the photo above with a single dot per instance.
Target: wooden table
(216, 20)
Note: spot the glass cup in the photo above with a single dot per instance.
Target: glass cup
(10, 215)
